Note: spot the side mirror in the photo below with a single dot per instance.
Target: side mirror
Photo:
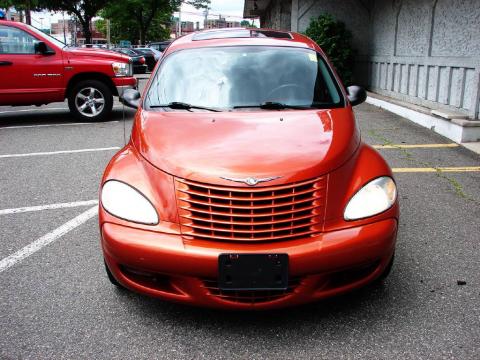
(42, 48)
(130, 98)
(356, 95)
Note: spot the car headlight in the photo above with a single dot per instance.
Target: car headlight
(375, 197)
(121, 69)
(125, 202)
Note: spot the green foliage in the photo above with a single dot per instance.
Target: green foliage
(83, 10)
(5, 4)
(23, 6)
(335, 40)
(20, 5)
(247, 24)
(143, 20)
(197, 4)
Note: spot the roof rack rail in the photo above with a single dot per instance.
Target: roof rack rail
(241, 33)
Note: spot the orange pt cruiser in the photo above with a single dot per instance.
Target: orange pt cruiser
(245, 184)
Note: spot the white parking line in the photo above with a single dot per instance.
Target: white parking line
(47, 109)
(50, 125)
(38, 244)
(27, 110)
(59, 152)
(48, 207)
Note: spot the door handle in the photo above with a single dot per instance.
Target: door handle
(5, 63)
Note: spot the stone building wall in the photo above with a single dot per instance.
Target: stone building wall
(426, 52)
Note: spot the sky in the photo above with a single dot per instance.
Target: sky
(230, 9)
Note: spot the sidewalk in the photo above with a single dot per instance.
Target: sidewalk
(453, 125)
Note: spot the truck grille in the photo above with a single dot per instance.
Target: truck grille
(223, 213)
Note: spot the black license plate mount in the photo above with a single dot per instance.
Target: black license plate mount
(253, 271)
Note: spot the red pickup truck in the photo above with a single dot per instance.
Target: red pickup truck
(37, 69)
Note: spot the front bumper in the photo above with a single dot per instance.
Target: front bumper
(165, 266)
(124, 83)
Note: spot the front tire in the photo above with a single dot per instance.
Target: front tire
(90, 100)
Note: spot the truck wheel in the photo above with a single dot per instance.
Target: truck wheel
(90, 100)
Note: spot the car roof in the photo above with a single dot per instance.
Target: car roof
(242, 37)
(13, 23)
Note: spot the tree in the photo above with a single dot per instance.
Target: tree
(144, 19)
(83, 10)
(126, 28)
(197, 4)
(335, 40)
(22, 5)
(247, 24)
(132, 19)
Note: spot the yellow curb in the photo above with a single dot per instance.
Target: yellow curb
(415, 146)
(440, 169)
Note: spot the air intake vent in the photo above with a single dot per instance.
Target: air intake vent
(272, 213)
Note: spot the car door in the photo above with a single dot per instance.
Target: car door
(28, 77)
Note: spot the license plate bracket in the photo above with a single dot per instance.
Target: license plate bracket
(253, 271)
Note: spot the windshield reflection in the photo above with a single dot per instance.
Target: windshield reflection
(247, 76)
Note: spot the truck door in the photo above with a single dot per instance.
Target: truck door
(27, 77)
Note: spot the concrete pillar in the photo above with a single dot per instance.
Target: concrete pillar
(294, 21)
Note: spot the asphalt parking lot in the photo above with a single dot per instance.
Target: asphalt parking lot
(56, 301)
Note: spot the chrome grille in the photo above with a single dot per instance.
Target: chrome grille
(223, 213)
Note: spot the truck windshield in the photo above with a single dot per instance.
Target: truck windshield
(228, 78)
(50, 38)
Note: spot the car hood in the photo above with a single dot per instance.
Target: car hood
(205, 147)
(100, 53)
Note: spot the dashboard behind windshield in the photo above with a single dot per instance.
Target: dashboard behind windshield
(244, 76)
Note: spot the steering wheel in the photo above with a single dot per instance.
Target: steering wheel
(288, 91)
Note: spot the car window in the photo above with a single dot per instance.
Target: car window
(127, 52)
(229, 77)
(50, 38)
(16, 41)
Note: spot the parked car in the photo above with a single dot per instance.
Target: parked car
(37, 69)
(95, 46)
(151, 56)
(138, 61)
(245, 184)
(160, 45)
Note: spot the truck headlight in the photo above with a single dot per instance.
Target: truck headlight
(121, 69)
(127, 203)
(375, 197)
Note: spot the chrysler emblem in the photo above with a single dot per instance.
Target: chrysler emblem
(251, 181)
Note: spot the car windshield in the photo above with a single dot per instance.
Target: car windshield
(127, 52)
(243, 77)
(144, 51)
(50, 38)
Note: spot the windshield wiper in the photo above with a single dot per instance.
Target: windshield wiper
(274, 105)
(184, 106)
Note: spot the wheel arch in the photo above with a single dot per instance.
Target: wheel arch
(90, 76)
